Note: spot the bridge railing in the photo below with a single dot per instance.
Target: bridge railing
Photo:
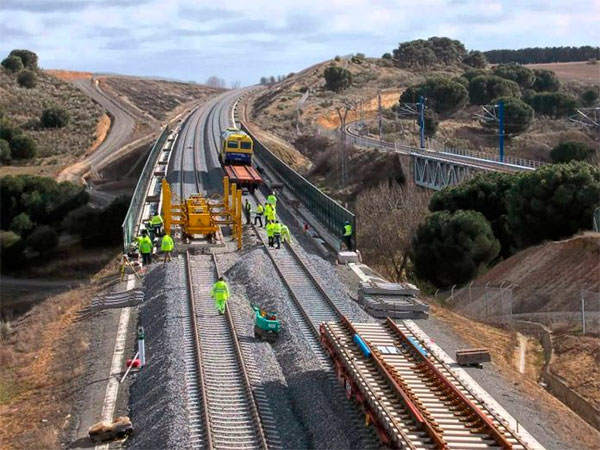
(139, 194)
(329, 212)
(468, 155)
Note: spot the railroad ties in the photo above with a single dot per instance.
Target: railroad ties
(223, 409)
(413, 400)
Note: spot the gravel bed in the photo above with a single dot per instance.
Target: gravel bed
(303, 395)
(157, 397)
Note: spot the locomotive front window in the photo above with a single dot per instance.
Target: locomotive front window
(232, 144)
(246, 145)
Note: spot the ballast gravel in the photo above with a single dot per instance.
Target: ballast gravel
(157, 397)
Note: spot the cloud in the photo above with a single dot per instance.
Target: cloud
(241, 39)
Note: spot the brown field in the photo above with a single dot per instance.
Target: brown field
(572, 71)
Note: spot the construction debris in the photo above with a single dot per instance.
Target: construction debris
(120, 428)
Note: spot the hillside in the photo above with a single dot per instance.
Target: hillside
(549, 277)
(276, 109)
(56, 146)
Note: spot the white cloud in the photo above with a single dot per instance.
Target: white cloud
(235, 39)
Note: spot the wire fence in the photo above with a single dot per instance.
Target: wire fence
(496, 305)
(139, 194)
(329, 212)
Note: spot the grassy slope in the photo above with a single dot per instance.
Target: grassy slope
(158, 98)
(24, 107)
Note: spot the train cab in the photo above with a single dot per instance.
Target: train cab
(236, 147)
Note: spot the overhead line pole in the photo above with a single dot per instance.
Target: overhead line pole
(501, 129)
(422, 119)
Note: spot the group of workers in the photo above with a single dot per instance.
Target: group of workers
(146, 240)
(277, 232)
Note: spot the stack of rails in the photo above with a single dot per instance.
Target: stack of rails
(413, 400)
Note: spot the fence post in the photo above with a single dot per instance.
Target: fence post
(470, 285)
(452, 294)
(487, 313)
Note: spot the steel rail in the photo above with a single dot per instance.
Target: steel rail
(419, 414)
(492, 429)
(198, 350)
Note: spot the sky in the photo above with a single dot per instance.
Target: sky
(239, 40)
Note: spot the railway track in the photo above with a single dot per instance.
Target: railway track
(223, 410)
(416, 400)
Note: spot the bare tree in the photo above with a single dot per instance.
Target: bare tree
(216, 82)
(387, 218)
(235, 84)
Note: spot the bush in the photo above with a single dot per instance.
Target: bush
(386, 56)
(571, 151)
(12, 64)
(420, 53)
(485, 88)
(27, 79)
(4, 151)
(22, 147)
(312, 144)
(42, 198)
(476, 59)
(431, 123)
(545, 80)
(22, 224)
(29, 59)
(472, 73)
(451, 248)
(590, 96)
(523, 76)
(553, 104)
(358, 58)
(8, 131)
(462, 80)
(55, 117)
(337, 78)
(518, 116)
(443, 95)
(111, 218)
(553, 202)
(43, 239)
(485, 193)
(11, 249)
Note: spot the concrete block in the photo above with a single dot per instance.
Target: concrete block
(347, 257)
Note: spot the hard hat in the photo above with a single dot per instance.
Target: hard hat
(346, 223)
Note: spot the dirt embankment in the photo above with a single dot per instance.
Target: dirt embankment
(550, 276)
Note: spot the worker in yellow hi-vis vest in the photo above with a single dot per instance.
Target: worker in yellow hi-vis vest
(220, 292)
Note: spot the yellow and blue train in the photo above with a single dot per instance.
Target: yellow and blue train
(237, 147)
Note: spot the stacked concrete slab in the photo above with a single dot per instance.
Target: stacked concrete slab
(381, 299)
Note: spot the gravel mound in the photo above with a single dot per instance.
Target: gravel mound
(157, 397)
(308, 406)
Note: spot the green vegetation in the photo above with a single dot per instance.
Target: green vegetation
(552, 104)
(486, 194)
(476, 59)
(29, 58)
(443, 95)
(4, 151)
(55, 117)
(423, 53)
(27, 79)
(485, 88)
(358, 58)
(22, 147)
(545, 80)
(451, 248)
(12, 64)
(386, 55)
(521, 75)
(590, 96)
(539, 55)
(571, 151)
(337, 78)
(518, 115)
(36, 210)
(554, 202)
